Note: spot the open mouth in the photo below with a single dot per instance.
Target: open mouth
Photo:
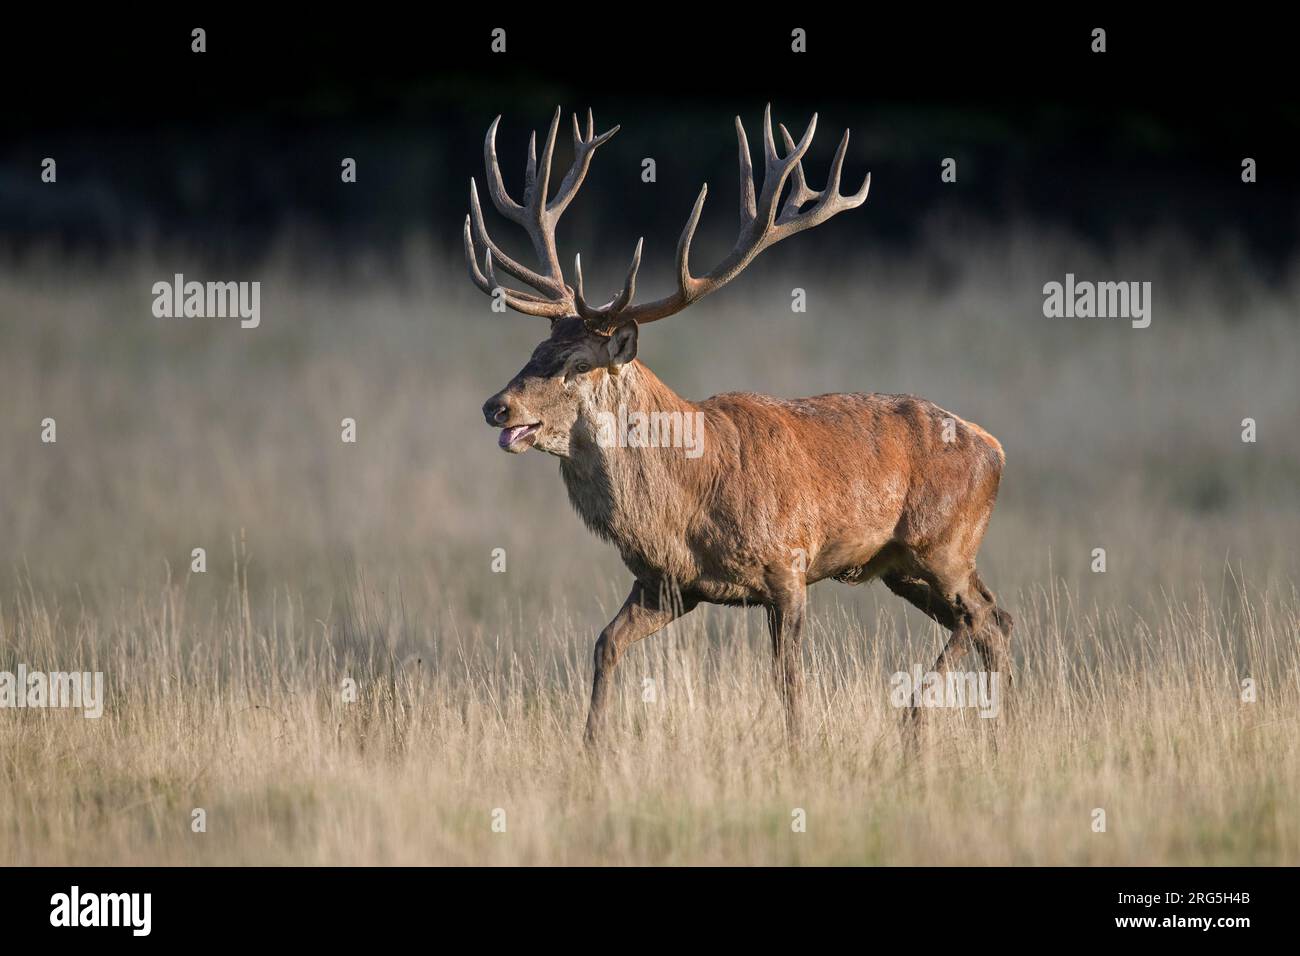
(518, 438)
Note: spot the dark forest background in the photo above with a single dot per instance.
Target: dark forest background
(226, 150)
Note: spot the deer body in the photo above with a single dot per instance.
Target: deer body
(782, 493)
(842, 486)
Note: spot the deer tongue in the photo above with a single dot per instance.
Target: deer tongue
(510, 435)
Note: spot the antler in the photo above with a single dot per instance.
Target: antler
(536, 215)
(760, 225)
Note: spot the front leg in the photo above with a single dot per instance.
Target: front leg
(785, 619)
(647, 609)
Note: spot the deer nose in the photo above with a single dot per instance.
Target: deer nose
(495, 410)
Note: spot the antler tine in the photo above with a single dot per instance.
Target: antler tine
(799, 191)
(600, 317)
(686, 285)
(486, 280)
(519, 301)
(530, 167)
(760, 226)
(541, 226)
(522, 273)
(829, 201)
(539, 218)
(769, 145)
(496, 188)
(583, 150)
(492, 282)
(479, 278)
(536, 202)
(777, 169)
(748, 212)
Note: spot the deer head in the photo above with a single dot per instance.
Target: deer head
(575, 369)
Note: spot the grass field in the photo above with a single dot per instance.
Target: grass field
(371, 562)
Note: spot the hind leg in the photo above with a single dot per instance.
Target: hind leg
(994, 641)
(942, 605)
(987, 630)
(959, 600)
(920, 595)
(936, 604)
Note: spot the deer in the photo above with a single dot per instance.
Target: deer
(786, 492)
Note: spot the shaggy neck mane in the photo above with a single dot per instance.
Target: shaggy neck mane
(633, 496)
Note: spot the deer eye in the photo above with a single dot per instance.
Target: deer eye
(582, 367)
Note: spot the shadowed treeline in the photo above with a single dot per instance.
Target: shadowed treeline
(229, 149)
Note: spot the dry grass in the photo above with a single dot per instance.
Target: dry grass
(371, 562)
(243, 715)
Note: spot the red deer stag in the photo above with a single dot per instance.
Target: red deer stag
(783, 493)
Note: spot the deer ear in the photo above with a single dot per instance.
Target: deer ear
(621, 346)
